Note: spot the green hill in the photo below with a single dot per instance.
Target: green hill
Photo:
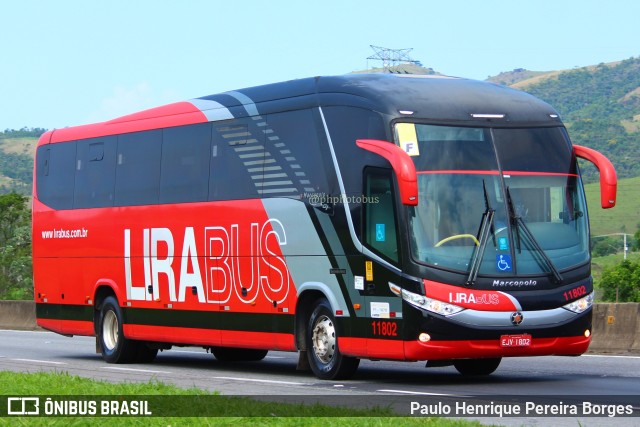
(599, 104)
(513, 78)
(16, 159)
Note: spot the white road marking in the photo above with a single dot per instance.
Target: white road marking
(39, 361)
(259, 381)
(146, 371)
(611, 355)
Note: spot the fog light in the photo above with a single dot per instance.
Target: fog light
(587, 333)
(424, 337)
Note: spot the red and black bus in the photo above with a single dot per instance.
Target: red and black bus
(362, 216)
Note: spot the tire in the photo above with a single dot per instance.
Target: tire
(324, 356)
(116, 348)
(477, 367)
(230, 354)
(145, 353)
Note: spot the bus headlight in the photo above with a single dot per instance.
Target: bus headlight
(580, 305)
(424, 303)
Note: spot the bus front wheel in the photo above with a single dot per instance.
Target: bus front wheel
(323, 353)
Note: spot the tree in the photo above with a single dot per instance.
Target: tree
(621, 283)
(24, 132)
(636, 241)
(606, 246)
(16, 272)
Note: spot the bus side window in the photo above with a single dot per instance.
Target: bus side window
(238, 161)
(379, 214)
(184, 173)
(294, 144)
(95, 172)
(56, 174)
(138, 168)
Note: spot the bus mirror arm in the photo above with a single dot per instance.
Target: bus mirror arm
(608, 177)
(402, 165)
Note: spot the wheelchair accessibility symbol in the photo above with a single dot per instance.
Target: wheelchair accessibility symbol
(503, 262)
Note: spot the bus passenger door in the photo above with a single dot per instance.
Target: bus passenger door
(383, 308)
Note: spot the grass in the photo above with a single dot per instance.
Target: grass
(236, 410)
(624, 217)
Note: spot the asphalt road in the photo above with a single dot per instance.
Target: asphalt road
(602, 379)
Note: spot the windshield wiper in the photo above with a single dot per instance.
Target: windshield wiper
(517, 224)
(486, 228)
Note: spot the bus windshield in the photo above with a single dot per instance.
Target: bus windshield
(509, 200)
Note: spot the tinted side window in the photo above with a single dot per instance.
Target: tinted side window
(55, 166)
(237, 160)
(346, 125)
(293, 142)
(138, 168)
(185, 164)
(95, 172)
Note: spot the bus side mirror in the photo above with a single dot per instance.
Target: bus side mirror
(402, 165)
(608, 177)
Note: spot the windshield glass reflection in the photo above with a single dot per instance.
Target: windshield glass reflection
(461, 177)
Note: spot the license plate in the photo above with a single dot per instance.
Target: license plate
(523, 340)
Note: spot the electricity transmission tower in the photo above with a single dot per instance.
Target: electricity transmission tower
(391, 57)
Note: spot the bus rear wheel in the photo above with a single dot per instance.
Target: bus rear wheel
(323, 353)
(477, 367)
(116, 348)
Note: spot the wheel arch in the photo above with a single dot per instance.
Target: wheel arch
(308, 294)
(103, 290)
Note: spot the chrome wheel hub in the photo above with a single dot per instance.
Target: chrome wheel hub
(324, 339)
(110, 330)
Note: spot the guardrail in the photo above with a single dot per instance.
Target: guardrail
(19, 315)
(616, 327)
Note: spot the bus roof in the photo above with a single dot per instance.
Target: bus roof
(435, 98)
